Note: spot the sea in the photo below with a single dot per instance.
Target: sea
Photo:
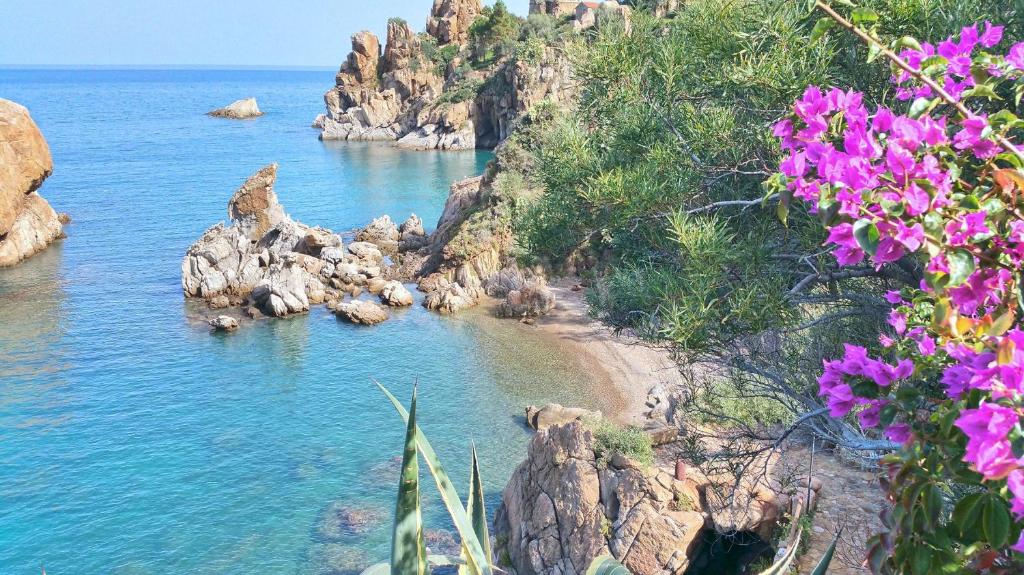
(135, 441)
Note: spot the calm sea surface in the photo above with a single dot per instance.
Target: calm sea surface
(134, 441)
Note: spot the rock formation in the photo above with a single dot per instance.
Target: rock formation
(238, 110)
(450, 20)
(224, 323)
(263, 258)
(560, 511)
(406, 94)
(394, 294)
(531, 299)
(564, 506)
(27, 222)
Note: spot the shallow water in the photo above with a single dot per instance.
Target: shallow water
(134, 441)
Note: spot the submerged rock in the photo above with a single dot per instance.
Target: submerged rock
(224, 323)
(341, 519)
(238, 110)
(27, 222)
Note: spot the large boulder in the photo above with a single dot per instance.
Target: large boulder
(394, 294)
(27, 222)
(449, 297)
(361, 312)
(561, 509)
(552, 414)
(238, 110)
(533, 299)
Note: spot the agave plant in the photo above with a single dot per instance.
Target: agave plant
(408, 551)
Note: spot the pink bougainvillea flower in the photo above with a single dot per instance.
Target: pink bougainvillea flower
(1016, 56)
(898, 432)
(991, 36)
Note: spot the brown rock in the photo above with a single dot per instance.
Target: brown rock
(361, 312)
(450, 20)
(254, 207)
(24, 161)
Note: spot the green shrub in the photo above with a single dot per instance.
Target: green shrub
(630, 441)
(493, 34)
(462, 91)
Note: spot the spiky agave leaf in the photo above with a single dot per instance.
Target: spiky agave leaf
(826, 559)
(782, 566)
(408, 551)
(606, 565)
(475, 507)
(477, 563)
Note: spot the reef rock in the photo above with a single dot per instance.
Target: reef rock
(224, 323)
(262, 255)
(382, 232)
(412, 236)
(238, 110)
(450, 20)
(394, 294)
(27, 222)
(361, 312)
(559, 511)
(449, 297)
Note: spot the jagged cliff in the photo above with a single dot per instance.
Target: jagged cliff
(27, 222)
(421, 92)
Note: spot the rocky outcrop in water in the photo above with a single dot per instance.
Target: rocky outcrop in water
(360, 312)
(238, 110)
(27, 222)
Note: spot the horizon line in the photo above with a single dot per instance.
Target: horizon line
(241, 67)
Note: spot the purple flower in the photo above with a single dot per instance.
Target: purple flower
(889, 250)
(991, 36)
(898, 321)
(1015, 57)
(911, 237)
(986, 429)
(840, 400)
(1015, 481)
(871, 415)
(893, 297)
(898, 432)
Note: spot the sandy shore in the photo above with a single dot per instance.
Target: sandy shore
(620, 364)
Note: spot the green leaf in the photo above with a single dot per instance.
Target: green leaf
(922, 560)
(811, 4)
(961, 266)
(874, 51)
(906, 42)
(867, 236)
(826, 559)
(475, 505)
(782, 566)
(863, 15)
(995, 522)
(822, 26)
(606, 565)
(408, 551)
(919, 107)
(967, 513)
(476, 562)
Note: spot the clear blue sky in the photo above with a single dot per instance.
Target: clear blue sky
(196, 32)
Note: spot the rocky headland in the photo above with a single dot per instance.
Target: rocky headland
(27, 222)
(238, 110)
(421, 92)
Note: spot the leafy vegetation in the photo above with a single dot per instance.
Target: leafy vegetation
(493, 34)
(629, 441)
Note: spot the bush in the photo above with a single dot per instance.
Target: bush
(630, 441)
(462, 91)
(493, 34)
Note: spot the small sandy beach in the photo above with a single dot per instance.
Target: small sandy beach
(627, 367)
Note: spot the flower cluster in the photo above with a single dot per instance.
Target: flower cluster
(941, 187)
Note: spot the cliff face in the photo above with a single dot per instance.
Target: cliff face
(27, 222)
(420, 92)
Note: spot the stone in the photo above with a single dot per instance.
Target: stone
(532, 300)
(224, 323)
(341, 519)
(541, 418)
(450, 20)
(395, 294)
(254, 207)
(365, 250)
(449, 299)
(381, 231)
(238, 110)
(361, 312)
(27, 222)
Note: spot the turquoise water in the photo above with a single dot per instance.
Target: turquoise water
(134, 441)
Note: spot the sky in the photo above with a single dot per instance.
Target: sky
(290, 33)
